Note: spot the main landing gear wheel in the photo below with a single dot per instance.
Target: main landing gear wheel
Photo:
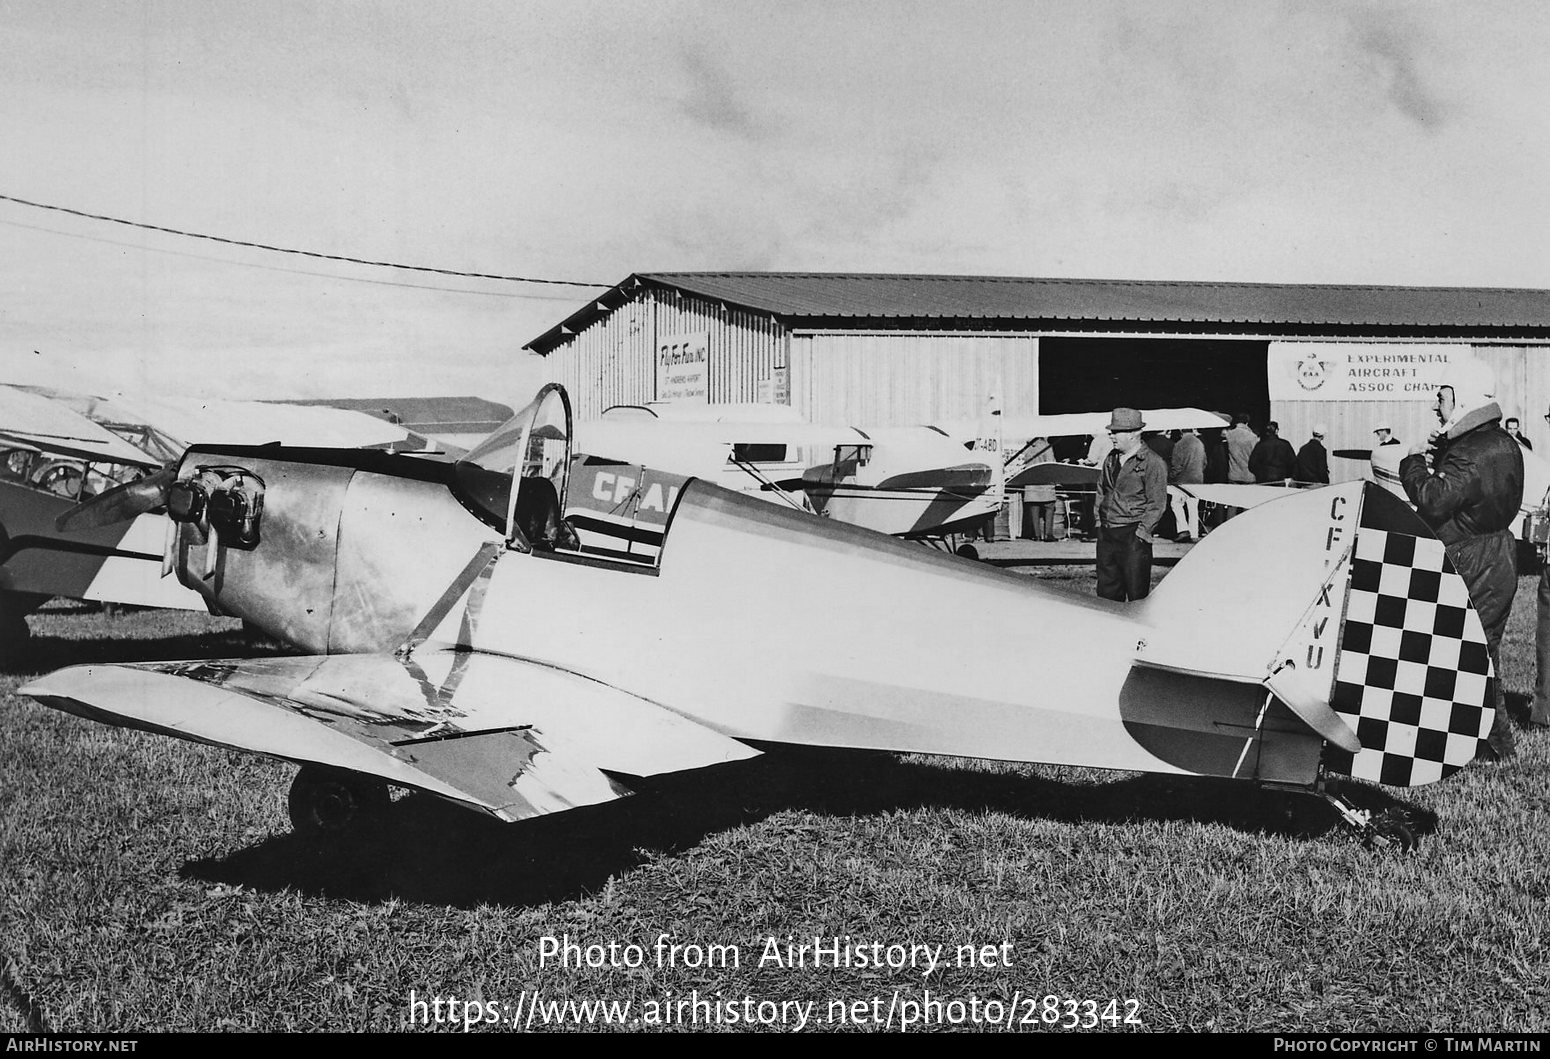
(967, 551)
(328, 802)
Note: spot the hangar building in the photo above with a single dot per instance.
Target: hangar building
(871, 349)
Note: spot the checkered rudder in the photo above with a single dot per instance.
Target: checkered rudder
(1413, 671)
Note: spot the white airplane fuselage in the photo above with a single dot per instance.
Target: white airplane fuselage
(759, 622)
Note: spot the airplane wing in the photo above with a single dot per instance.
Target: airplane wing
(209, 421)
(701, 449)
(512, 738)
(1230, 494)
(31, 420)
(1019, 428)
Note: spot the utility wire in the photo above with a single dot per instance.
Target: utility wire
(231, 262)
(302, 253)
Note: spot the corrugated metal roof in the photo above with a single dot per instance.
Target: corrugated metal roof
(810, 297)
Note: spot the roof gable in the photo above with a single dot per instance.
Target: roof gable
(811, 298)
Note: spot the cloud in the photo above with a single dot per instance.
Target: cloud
(1394, 52)
(713, 100)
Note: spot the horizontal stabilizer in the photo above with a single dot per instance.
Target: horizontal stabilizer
(509, 737)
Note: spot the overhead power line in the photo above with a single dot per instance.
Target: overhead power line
(301, 253)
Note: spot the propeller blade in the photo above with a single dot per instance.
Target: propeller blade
(119, 504)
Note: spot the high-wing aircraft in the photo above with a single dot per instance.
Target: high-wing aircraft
(535, 628)
(912, 482)
(51, 457)
(57, 448)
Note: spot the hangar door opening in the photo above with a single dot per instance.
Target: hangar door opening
(1092, 374)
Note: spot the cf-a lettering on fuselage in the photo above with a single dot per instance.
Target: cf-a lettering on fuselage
(618, 488)
(491, 631)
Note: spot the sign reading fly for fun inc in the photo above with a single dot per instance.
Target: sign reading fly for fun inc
(1359, 371)
(682, 363)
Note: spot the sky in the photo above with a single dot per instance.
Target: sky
(584, 140)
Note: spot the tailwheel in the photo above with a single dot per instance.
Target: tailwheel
(1389, 830)
(331, 802)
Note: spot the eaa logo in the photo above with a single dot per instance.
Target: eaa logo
(1312, 372)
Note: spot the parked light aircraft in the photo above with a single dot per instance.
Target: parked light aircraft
(57, 447)
(464, 640)
(913, 482)
(1021, 435)
(51, 457)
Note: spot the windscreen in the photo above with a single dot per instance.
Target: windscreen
(534, 443)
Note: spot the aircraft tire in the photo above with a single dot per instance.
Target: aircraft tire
(968, 551)
(1389, 830)
(328, 802)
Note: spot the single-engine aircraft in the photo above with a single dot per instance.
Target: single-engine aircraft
(535, 628)
(914, 482)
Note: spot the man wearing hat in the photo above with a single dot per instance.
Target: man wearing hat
(1466, 483)
(1132, 495)
(1312, 461)
(1386, 455)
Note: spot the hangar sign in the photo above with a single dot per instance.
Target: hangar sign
(1359, 371)
(682, 363)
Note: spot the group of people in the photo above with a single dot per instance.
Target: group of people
(1465, 481)
(1143, 472)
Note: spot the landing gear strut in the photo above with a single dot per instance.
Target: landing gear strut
(328, 802)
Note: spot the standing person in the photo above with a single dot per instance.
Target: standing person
(1467, 485)
(1272, 459)
(1187, 466)
(1312, 461)
(1512, 430)
(1215, 441)
(1240, 446)
(1132, 492)
(1385, 461)
(1539, 713)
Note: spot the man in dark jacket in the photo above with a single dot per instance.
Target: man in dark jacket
(1312, 461)
(1272, 459)
(1470, 496)
(1132, 493)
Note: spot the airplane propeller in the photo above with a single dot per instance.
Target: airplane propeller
(119, 504)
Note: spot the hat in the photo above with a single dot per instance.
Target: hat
(1473, 384)
(1125, 419)
(1389, 429)
(1318, 431)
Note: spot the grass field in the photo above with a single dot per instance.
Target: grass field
(151, 884)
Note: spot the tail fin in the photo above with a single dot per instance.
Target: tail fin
(1344, 605)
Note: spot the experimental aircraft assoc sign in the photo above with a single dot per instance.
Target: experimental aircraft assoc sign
(1353, 371)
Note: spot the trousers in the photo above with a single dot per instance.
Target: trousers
(1488, 564)
(1186, 511)
(1124, 564)
(1540, 712)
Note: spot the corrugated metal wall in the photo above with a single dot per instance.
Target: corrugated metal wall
(884, 378)
(613, 360)
(901, 378)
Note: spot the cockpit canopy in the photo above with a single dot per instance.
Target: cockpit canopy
(533, 447)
